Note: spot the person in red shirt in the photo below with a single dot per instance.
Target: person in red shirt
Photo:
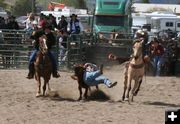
(42, 22)
(157, 52)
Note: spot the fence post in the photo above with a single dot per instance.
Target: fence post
(80, 48)
(68, 51)
(57, 52)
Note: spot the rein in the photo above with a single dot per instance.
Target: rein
(41, 47)
(137, 66)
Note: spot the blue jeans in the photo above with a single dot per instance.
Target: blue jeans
(33, 56)
(32, 59)
(157, 62)
(95, 78)
(53, 60)
(29, 31)
(51, 56)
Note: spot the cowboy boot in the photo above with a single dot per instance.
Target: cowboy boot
(56, 74)
(112, 85)
(30, 75)
(31, 72)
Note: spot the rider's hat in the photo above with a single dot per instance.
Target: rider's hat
(141, 32)
(156, 40)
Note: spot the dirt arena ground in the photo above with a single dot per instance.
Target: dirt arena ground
(18, 104)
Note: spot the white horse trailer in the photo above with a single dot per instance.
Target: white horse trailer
(165, 23)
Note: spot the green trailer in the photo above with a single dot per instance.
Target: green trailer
(112, 15)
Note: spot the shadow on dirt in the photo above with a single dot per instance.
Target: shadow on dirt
(95, 95)
(161, 104)
(98, 95)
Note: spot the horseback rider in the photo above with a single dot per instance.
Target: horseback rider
(143, 35)
(50, 42)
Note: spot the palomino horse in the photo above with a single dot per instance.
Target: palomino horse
(43, 67)
(135, 70)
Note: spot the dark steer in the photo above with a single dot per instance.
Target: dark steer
(78, 75)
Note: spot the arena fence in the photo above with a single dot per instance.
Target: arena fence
(105, 43)
(16, 48)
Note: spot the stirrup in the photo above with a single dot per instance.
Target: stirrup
(56, 75)
(30, 76)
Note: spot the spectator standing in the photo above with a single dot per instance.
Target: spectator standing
(52, 21)
(12, 24)
(2, 23)
(62, 25)
(29, 23)
(75, 26)
(157, 52)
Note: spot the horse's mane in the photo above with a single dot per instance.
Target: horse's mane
(137, 41)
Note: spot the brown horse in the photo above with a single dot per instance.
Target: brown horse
(43, 67)
(78, 75)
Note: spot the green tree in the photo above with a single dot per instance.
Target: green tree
(22, 7)
(2, 4)
(82, 4)
(145, 1)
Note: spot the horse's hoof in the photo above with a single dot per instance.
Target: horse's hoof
(126, 99)
(79, 99)
(129, 103)
(38, 95)
(136, 92)
(123, 98)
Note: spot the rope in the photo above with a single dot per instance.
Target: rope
(145, 74)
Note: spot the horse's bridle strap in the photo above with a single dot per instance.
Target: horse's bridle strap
(136, 66)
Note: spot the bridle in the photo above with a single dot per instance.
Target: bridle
(137, 66)
(43, 46)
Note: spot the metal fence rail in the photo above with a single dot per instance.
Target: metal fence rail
(105, 43)
(14, 50)
(16, 47)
